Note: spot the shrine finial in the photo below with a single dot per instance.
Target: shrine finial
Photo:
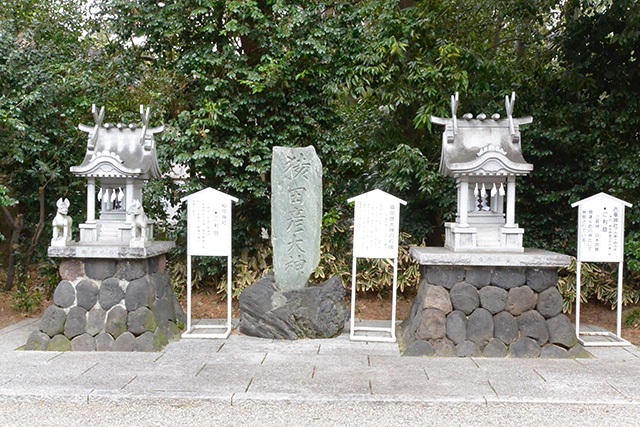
(144, 116)
(454, 111)
(509, 107)
(97, 117)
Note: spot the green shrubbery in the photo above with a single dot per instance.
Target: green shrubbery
(358, 81)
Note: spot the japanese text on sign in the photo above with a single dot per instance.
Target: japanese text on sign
(209, 227)
(601, 231)
(376, 229)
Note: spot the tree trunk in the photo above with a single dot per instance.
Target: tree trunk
(16, 224)
(38, 232)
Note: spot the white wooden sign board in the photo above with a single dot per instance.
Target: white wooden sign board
(376, 224)
(601, 239)
(375, 235)
(208, 234)
(601, 229)
(209, 224)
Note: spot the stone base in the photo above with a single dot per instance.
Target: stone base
(316, 311)
(115, 251)
(465, 308)
(110, 305)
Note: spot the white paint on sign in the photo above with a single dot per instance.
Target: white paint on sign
(375, 235)
(601, 228)
(209, 223)
(376, 225)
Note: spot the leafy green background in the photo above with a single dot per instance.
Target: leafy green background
(358, 80)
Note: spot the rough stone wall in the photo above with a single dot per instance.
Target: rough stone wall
(110, 305)
(489, 311)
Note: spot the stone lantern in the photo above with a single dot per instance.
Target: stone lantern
(119, 160)
(484, 156)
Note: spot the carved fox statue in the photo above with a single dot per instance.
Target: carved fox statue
(61, 224)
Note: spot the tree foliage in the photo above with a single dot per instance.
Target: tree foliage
(359, 81)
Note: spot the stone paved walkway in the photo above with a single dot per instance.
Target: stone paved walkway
(245, 369)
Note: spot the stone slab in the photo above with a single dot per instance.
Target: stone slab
(529, 258)
(355, 372)
(296, 215)
(100, 250)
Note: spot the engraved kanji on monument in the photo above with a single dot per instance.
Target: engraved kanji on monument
(296, 215)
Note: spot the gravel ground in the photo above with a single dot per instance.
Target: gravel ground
(205, 413)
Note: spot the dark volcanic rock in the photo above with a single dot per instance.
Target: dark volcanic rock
(531, 324)
(52, 322)
(561, 331)
(116, 323)
(419, 348)
(549, 303)
(457, 326)
(505, 327)
(495, 348)
(464, 297)
(433, 325)
(445, 276)
(468, 349)
(111, 293)
(131, 269)
(437, 297)
(553, 352)
(99, 269)
(478, 276)
(65, 294)
(76, 322)
(311, 312)
(37, 341)
(520, 299)
(493, 298)
(139, 294)
(508, 278)
(524, 347)
(87, 294)
(541, 279)
(480, 327)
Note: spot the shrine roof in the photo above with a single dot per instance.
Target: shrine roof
(121, 151)
(482, 145)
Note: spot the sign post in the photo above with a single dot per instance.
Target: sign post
(601, 239)
(375, 235)
(208, 234)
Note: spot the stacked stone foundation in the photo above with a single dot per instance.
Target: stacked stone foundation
(110, 305)
(491, 312)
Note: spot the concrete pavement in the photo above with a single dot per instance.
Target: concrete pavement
(254, 371)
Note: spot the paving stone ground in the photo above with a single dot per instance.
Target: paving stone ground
(246, 370)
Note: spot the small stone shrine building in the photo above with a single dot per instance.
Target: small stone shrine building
(484, 294)
(121, 158)
(484, 155)
(115, 293)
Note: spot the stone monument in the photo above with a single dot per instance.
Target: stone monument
(296, 215)
(115, 293)
(484, 294)
(284, 305)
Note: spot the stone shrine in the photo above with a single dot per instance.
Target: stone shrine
(284, 305)
(115, 293)
(483, 155)
(484, 294)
